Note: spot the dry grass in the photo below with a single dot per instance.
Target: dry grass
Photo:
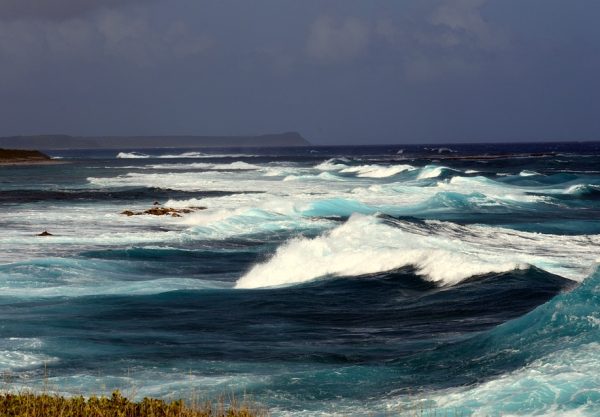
(28, 404)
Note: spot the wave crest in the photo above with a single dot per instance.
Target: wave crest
(439, 251)
(132, 155)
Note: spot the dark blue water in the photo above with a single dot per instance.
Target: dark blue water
(351, 280)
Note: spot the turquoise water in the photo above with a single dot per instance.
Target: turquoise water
(321, 281)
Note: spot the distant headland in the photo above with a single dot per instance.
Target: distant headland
(18, 157)
(53, 142)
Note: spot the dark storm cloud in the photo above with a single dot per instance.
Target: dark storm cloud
(55, 9)
(336, 70)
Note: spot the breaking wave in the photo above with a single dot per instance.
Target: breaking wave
(132, 155)
(558, 344)
(377, 171)
(184, 155)
(442, 252)
(237, 165)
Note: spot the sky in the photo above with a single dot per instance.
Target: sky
(337, 71)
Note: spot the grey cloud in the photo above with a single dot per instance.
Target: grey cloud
(332, 41)
(336, 70)
(55, 9)
(464, 23)
(449, 38)
(119, 37)
(136, 39)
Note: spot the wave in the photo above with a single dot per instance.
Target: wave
(323, 176)
(184, 155)
(364, 171)
(528, 173)
(383, 171)
(237, 165)
(184, 181)
(132, 155)
(83, 195)
(583, 190)
(225, 223)
(439, 251)
(21, 353)
(492, 189)
(558, 344)
(199, 155)
(433, 171)
(377, 171)
(139, 155)
(333, 164)
(281, 171)
(441, 150)
(61, 277)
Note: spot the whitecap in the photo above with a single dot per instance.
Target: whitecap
(377, 171)
(439, 251)
(528, 173)
(132, 155)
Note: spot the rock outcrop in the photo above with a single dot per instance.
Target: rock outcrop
(16, 156)
(163, 211)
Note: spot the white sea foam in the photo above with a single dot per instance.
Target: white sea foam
(80, 288)
(132, 155)
(323, 176)
(440, 251)
(492, 189)
(433, 171)
(188, 181)
(528, 173)
(184, 155)
(15, 360)
(237, 165)
(377, 171)
(283, 171)
(306, 192)
(441, 150)
(17, 353)
(208, 155)
(364, 245)
(363, 171)
(550, 386)
(581, 189)
(334, 164)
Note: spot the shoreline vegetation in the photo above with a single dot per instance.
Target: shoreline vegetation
(24, 157)
(31, 404)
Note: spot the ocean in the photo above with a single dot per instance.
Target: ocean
(387, 280)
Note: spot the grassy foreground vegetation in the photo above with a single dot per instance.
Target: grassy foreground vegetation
(28, 404)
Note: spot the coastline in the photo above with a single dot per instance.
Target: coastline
(24, 162)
